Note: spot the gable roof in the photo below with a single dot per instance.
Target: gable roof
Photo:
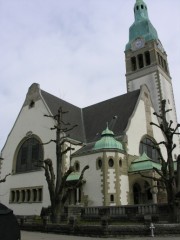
(92, 120)
(116, 111)
(74, 115)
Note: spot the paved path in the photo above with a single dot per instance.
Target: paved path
(49, 236)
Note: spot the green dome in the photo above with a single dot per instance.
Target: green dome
(142, 26)
(108, 141)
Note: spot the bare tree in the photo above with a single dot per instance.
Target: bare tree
(167, 176)
(58, 189)
(4, 179)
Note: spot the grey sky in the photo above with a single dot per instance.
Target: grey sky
(74, 49)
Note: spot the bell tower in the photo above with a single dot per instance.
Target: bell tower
(146, 61)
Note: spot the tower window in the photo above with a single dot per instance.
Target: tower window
(112, 198)
(142, 6)
(133, 64)
(147, 58)
(99, 163)
(137, 7)
(140, 61)
(111, 162)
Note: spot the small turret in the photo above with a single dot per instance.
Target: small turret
(108, 141)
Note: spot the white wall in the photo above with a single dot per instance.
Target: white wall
(93, 177)
(138, 128)
(28, 120)
(124, 180)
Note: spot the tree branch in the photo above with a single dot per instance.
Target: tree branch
(151, 123)
(49, 142)
(150, 177)
(67, 150)
(65, 176)
(81, 176)
(69, 129)
(4, 179)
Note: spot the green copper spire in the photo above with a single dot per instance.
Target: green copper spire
(142, 27)
(108, 141)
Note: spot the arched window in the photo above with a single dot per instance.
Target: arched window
(150, 148)
(120, 162)
(148, 194)
(111, 198)
(99, 163)
(137, 193)
(29, 155)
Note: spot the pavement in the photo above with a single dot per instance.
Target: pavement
(49, 236)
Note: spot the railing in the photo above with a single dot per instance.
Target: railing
(127, 211)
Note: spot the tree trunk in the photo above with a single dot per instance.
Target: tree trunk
(56, 212)
(172, 202)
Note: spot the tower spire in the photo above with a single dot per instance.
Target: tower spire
(146, 61)
(142, 27)
(140, 10)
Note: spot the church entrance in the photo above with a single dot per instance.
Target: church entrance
(75, 196)
(142, 193)
(137, 193)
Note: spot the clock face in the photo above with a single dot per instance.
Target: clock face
(139, 43)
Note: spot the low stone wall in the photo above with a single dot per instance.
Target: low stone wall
(110, 230)
(106, 221)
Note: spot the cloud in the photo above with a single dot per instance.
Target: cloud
(74, 49)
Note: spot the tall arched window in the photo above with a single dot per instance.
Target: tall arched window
(150, 148)
(29, 155)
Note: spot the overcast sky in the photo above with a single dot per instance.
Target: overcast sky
(74, 49)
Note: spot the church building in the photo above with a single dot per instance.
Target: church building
(118, 140)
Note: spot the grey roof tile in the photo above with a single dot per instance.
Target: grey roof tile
(92, 120)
